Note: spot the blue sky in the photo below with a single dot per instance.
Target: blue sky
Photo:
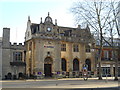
(14, 14)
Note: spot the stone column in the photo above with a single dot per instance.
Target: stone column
(82, 55)
(39, 61)
(70, 61)
(57, 59)
(111, 70)
(57, 55)
(27, 59)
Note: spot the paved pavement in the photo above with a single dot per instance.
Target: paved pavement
(65, 83)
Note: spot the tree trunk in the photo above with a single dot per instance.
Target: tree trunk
(116, 68)
(99, 63)
(100, 55)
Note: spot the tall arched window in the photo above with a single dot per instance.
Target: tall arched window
(88, 62)
(75, 65)
(64, 64)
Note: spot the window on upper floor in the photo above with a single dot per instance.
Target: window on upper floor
(97, 42)
(106, 54)
(61, 34)
(75, 48)
(114, 54)
(17, 56)
(63, 47)
(106, 44)
(87, 48)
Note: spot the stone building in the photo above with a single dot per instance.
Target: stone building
(53, 50)
(13, 57)
(0, 58)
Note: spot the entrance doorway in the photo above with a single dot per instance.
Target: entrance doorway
(48, 67)
(64, 65)
(47, 70)
(75, 65)
(88, 62)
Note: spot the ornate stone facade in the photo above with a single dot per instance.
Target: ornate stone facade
(53, 49)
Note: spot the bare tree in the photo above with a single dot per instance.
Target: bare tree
(115, 6)
(99, 15)
(114, 47)
(113, 30)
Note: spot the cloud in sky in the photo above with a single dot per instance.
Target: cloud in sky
(15, 14)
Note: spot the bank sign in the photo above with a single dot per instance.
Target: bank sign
(48, 46)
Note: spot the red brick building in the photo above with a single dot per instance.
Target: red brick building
(108, 56)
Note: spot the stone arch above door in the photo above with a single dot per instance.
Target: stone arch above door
(48, 60)
(48, 66)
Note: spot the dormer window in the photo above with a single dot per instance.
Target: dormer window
(48, 19)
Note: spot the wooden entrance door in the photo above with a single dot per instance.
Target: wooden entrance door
(47, 70)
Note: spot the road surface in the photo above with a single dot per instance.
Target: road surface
(70, 83)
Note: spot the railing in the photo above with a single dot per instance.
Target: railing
(76, 74)
(18, 63)
(106, 59)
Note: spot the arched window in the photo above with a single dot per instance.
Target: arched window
(75, 65)
(88, 62)
(64, 64)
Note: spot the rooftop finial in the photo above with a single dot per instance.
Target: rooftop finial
(28, 18)
(48, 13)
(55, 21)
(41, 19)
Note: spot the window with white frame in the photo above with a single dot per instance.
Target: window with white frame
(112, 55)
(75, 48)
(106, 54)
